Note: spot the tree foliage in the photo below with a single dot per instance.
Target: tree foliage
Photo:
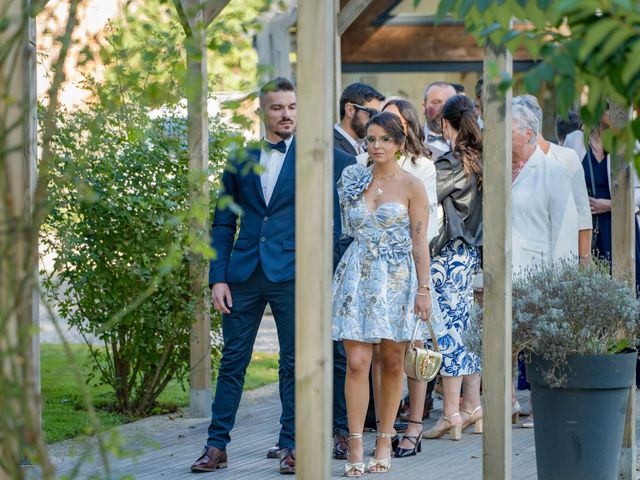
(118, 229)
(149, 33)
(581, 45)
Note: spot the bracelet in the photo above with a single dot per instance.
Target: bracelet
(427, 286)
(422, 294)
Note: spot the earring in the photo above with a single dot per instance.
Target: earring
(398, 155)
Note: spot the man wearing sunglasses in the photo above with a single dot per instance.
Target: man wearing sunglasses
(358, 103)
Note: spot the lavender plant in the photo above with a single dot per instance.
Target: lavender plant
(562, 309)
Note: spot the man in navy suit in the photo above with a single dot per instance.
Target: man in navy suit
(257, 268)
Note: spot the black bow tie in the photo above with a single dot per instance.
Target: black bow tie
(280, 146)
(434, 138)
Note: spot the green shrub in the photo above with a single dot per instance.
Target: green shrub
(118, 229)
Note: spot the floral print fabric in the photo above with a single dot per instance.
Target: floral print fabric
(452, 271)
(375, 282)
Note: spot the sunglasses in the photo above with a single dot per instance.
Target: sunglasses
(383, 140)
(370, 111)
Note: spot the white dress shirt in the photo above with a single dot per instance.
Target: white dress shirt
(568, 158)
(272, 162)
(437, 147)
(575, 141)
(544, 218)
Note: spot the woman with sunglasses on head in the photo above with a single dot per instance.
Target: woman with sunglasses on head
(456, 258)
(414, 159)
(381, 285)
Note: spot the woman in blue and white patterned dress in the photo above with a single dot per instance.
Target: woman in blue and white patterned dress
(456, 258)
(381, 285)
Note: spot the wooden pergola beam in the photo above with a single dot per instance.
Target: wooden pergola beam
(623, 266)
(212, 9)
(497, 269)
(349, 13)
(314, 239)
(195, 16)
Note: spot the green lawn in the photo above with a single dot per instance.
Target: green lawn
(64, 414)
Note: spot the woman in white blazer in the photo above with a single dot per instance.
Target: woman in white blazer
(544, 218)
(416, 161)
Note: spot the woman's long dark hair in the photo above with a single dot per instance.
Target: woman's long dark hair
(458, 111)
(414, 145)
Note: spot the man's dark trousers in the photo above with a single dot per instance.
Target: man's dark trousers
(240, 328)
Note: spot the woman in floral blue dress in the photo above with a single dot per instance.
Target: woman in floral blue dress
(381, 285)
(456, 258)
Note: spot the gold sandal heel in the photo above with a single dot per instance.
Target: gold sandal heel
(455, 431)
(477, 422)
(382, 465)
(355, 469)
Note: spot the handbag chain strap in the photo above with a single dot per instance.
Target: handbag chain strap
(414, 337)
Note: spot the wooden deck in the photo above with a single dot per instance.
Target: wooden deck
(170, 456)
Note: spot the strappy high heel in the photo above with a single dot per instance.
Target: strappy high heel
(355, 469)
(382, 465)
(417, 444)
(455, 431)
(477, 422)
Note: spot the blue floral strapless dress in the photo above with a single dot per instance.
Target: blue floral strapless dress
(375, 283)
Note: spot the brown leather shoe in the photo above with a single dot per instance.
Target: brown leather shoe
(212, 458)
(340, 446)
(288, 460)
(274, 452)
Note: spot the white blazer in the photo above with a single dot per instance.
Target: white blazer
(544, 218)
(425, 170)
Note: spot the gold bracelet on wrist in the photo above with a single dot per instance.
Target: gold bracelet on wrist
(422, 294)
(427, 286)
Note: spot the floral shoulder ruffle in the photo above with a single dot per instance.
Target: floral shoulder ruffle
(354, 181)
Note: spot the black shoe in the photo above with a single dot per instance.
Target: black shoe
(340, 446)
(274, 452)
(409, 452)
(400, 426)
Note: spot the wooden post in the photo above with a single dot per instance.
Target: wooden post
(314, 212)
(273, 42)
(196, 15)
(19, 346)
(623, 252)
(497, 270)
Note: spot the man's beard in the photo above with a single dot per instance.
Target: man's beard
(284, 135)
(358, 127)
(435, 125)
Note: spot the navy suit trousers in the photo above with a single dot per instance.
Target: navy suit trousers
(239, 330)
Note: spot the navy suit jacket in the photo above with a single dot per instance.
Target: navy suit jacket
(267, 233)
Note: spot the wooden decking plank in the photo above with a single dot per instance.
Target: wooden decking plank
(257, 429)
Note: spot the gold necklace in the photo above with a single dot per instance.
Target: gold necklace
(379, 190)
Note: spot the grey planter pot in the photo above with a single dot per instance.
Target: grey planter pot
(578, 428)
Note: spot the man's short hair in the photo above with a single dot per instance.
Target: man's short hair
(459, 88)
(531, 103)
(278, 84)
(564, 126)
(358, 93)
(440, 84)
(478, 89)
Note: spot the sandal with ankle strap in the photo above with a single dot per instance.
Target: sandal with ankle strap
(355, 469)
(382, 465)
(399, 452)
(477, 422)
(455, 431)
